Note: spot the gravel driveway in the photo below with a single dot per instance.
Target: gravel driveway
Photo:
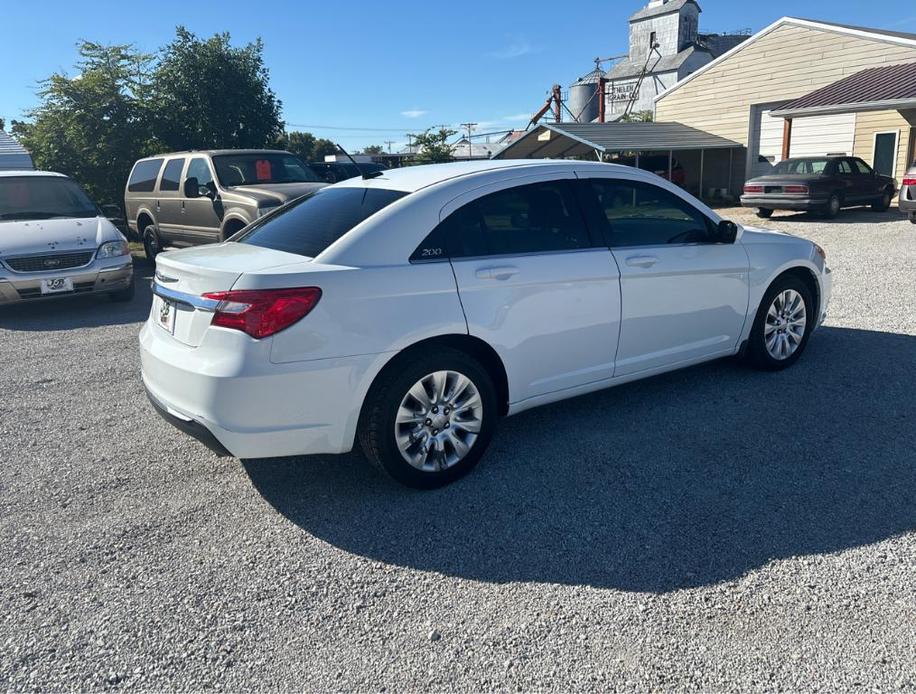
(714, 529)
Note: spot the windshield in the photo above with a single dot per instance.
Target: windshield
(310, 224)
(42, 197)
(801, 166)
(261, 169)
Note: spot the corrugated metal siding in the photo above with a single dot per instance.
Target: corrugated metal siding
(12, 154)
(788, 63)
(886, 83)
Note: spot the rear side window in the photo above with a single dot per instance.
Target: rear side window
(309, 225)
(143, 177)
(537, 218)
(171, 177)
(862, 167)
(843, 167)
(640, 214)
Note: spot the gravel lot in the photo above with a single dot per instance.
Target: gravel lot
(714, 529)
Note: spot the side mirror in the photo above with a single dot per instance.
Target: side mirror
(191, 187)
(112, 211)
(727, 232)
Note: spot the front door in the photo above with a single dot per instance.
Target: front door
(885, 153)
(203, 216)
(683, 296)
(536, 286)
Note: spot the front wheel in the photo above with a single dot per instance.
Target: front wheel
(428, 421)
(783, 324)
(883, 203)
(764, 213)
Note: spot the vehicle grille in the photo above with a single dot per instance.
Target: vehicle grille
(49, 262)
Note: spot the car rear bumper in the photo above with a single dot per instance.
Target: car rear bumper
(99, 277)
(227, 394)
(774, 202)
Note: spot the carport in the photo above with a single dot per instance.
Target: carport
(709, 160)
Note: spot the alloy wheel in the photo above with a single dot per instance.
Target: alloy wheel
(785, 325)
(438, 421)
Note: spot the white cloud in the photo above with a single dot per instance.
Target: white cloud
(414, 113)
(516, 47)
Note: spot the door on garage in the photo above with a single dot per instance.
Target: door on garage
(885, 155)
(765, 142)
(816, 136)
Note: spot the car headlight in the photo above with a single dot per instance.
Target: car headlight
(113, 249)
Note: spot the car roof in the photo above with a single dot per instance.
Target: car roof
(29, 172)
(413, 178)
(215, 152)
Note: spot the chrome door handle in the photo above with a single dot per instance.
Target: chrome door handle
(641, 260)
(496, 273)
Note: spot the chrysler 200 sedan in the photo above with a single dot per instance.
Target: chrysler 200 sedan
(410, 311)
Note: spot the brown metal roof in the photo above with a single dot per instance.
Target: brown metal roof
(878, 88)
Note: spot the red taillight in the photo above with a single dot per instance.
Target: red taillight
(753, 189)
(909, 181)
(795, 189)
(263, 312)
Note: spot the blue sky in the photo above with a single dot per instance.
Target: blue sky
(397, 66)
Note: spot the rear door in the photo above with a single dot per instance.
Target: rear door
(535, 285)
(171, 210)
(684, 297)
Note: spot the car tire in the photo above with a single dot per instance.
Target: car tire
(434, 436)
(123, 295)
(833, 207)
(764, 213)
(884, 203)
(152, 242)
(776, 342)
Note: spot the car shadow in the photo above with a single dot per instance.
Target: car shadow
(851, 215)
(684, 480)
(67, 313)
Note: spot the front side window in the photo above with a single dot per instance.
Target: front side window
(143, 177)
(43, 197)
(640, 214)
(537, 218)
(171, 177)
(198, 169)
(309, 225)
(262, 168)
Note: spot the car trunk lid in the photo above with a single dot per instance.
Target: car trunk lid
(184, 276)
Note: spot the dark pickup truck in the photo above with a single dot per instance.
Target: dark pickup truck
(819, 184)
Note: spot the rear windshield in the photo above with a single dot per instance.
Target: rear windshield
(811, 167)
(262, 169)
(42, 197)
(310, 224)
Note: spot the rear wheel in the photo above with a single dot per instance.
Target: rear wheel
(834, 204)
(152, 244)
(427, 421)
(883, 203)
(764, 213)
(783, 324)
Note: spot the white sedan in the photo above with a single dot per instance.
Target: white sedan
(412, 309)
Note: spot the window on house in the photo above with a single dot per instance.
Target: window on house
(652, 40)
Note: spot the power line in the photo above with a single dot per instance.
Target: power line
(340, 127)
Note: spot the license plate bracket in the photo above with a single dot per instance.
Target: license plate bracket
(165, 314)
(56, 285)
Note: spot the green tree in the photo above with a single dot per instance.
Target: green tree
(305, 145)
(93, 126)
(373, 149)
(432, 146)
(210, 94)
(638, 117)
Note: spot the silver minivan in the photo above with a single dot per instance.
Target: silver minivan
(197, 197)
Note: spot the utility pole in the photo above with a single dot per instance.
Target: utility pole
(389, 143)
(470, 128)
